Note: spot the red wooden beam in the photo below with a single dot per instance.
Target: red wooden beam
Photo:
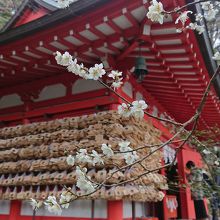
(163, 92)
(37, 84)
(157, 82)
(78, 105)
(115, 210)
(128, 50)
(173, 87)
(168, 37)
(15, 210)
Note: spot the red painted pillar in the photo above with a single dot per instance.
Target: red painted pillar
(115, 210)
(165, 214)
(15, 210)
(186, 203)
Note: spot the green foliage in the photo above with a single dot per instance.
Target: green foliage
(204, 181)
(7, 9)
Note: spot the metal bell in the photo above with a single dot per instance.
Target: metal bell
(140, 68)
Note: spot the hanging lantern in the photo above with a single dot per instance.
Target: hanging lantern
(140, 68)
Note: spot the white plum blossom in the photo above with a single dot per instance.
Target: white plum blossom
(78, 69)
(139, 105)
(63, 203)
(107, 151)
(82, 156)
(114, 74)
(64, 3)
(199, 17)
(117, 79)
(70, 160)
(216, 43)
(52, 205)
(85, 185)
(200, 29)
(63, 59)
(216, 56)
(194, 26)
(206, 152)
(183, 17)
(179, 30)
(156, 12)
(59, 58)
(216, 163)
(210, 14)
(209, 11)
(83, 182)
(73, 67)
(35, 204)
(138, 114)
(207, 6)
(80, 172)
(65, 199)
(83, 71)
(124, 146)
(117, 83)
(131, 157)
(160, 196)
(97, 159)
(124, 110)
(96, 72)
(67, 194)
(138, 108)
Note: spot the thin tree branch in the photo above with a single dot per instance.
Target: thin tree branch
(146, 113)
(178, 9)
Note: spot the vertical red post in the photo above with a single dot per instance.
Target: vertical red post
(15, 210)
(165, 214)
(186, 203)
(115, 210)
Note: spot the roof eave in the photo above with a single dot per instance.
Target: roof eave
(54, 18)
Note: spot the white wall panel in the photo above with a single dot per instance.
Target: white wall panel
(127, 89)
(52, 92)
(10, 101)
(83, 85)
(139, 209)
(79, 208)
(127, 209)
(100, 209)
(139, 96)
(4, 207)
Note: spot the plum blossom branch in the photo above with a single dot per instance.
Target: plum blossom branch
(179, 9)
(130, 104)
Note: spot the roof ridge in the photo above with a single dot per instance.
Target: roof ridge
(48, 4)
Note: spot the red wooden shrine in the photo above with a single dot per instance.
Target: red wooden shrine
(34, 88)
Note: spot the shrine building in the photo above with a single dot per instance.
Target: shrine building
(45, 110)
